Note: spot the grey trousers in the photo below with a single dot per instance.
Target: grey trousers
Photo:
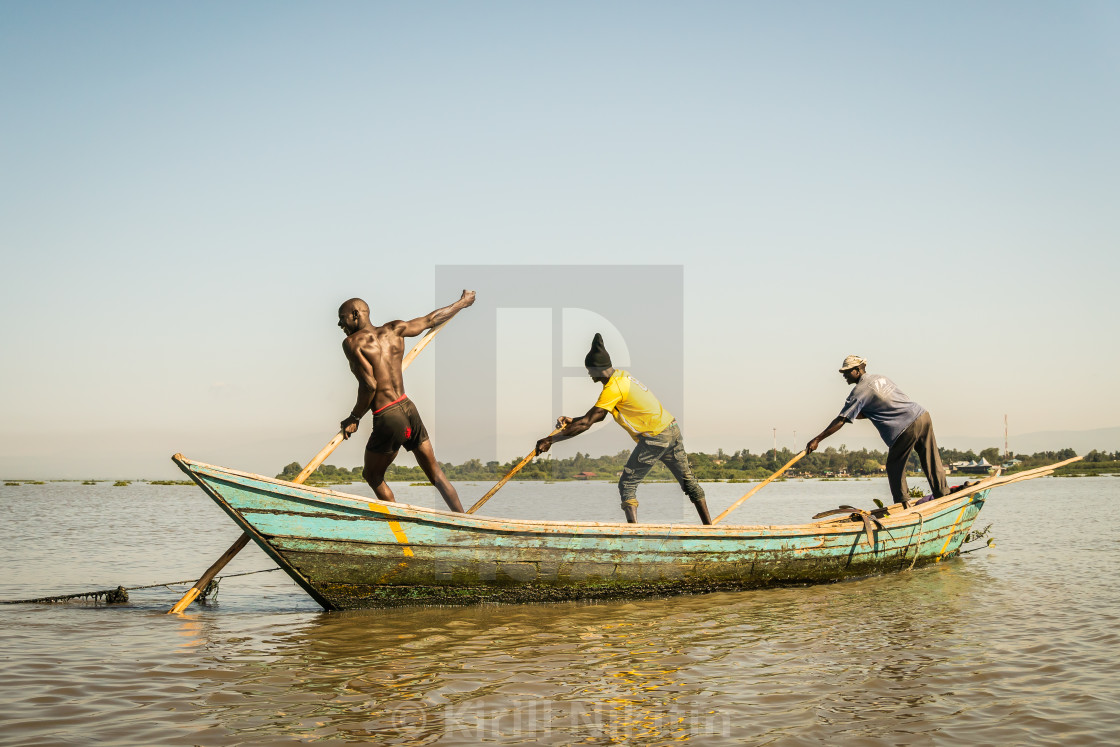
(918, 436)
(668, 448)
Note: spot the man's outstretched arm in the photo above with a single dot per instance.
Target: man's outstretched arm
(837, 423)
(572, 428)
(415, 326)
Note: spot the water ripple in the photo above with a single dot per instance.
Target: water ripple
(1015, 645)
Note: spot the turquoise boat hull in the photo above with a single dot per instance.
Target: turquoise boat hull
(349, 552)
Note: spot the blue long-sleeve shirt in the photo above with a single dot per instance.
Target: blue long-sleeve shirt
(876, 398)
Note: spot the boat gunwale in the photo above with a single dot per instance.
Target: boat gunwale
(900, 518)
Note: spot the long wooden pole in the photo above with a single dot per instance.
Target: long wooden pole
(307, 471)
(759, 487)
(490, 493)
(991, 482)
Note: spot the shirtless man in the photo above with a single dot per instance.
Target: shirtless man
(375, 355)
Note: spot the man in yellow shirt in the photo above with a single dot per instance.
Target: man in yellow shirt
(640, 414)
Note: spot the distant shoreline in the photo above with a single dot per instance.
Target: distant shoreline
(1069, 471)
(15, 481)
(741, 467)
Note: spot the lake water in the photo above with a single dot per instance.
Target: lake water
(1014, 644)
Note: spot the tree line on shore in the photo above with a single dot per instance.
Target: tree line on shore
(740, 466)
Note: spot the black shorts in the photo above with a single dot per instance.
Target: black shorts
(396, 425)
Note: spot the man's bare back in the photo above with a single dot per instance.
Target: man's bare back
(375, 355)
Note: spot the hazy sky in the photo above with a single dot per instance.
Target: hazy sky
(189, 190)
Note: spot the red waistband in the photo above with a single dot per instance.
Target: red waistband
(398, 399)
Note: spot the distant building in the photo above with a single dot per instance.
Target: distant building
(982, 467)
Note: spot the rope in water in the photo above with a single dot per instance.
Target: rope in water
(918, 545)
(119, 595)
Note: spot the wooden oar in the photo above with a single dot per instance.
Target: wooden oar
(490, 493)
(307, 471)
(758, 487)
(991, 482)
(411, 356)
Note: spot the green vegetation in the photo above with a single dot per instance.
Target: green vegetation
(1094, 463)
(328, 474)
(740, 466)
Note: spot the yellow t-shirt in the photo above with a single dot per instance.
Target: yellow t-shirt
(633, 406)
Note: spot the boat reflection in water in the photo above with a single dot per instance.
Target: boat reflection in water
(797, 660)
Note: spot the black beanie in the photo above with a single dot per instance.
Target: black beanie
(597, 357)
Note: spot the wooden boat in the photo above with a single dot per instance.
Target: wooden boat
(350, 552)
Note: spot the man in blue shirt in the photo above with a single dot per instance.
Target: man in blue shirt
(903, 423)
